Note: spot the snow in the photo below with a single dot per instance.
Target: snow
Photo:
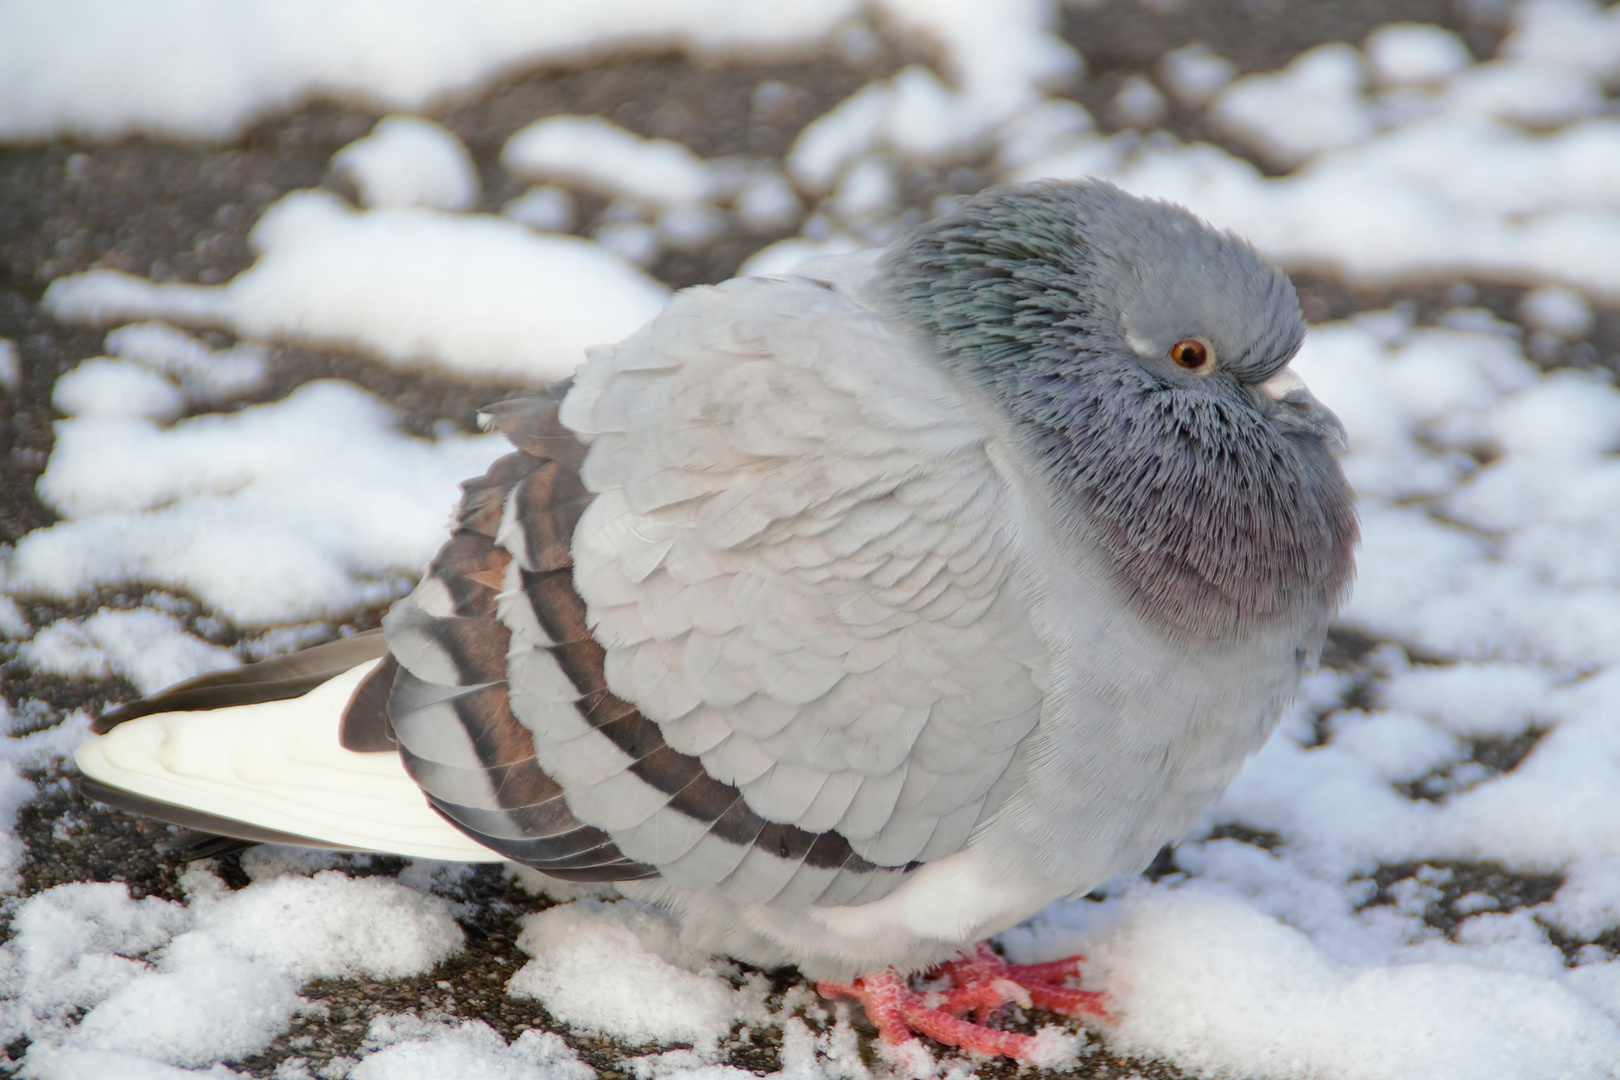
(290, 511)
(206, 375)
(834, 139)
(1536, 95)
(868, 190)
(545, 209)
(1218, 983)
(117, 388)
(1559, 311)
(413, 286)
(1402, 53)
(149, 648)
(604, 157)
(409, 161)
(190, 69)
(13, 623)
(187, 985)
(1448, 193)
(406, 1048)
(1000, 55)
(1033, 133)
(1313, 104)
(1492, 698)
(1195, 73)
(1589, 901)
(1488, 577)
(210, 1009)
(619, 968)
(1138, 103)
(10, 365)
(75, 945)
(767, 202)
(16, 791)
(627, 236)
(185, 68)
(1576, 34)
(326, 926)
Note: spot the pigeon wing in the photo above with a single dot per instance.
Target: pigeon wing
(797, 569)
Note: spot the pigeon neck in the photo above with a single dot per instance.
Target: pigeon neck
(1213, 523)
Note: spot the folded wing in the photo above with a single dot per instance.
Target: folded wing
(796, 567)
(737, 613)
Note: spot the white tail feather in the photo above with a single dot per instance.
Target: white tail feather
(278, 765)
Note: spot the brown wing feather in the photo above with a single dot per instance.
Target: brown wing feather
(451, 647)
(365, 728)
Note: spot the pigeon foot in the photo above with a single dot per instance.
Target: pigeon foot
(980, 984)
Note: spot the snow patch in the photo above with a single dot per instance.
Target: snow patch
(149, 648)
(408, 1048)
(597, 154)
(478, 295)
(1195, 73)
(1214, 985)
(295, 510)
(10, 365)
(191, 69)
(409, 161)
(1403, 53)
(217, 979)
(1313, 104)
(619, 968)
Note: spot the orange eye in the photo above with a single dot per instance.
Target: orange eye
(1191, 354)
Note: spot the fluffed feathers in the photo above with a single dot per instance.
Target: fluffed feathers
(857, 616)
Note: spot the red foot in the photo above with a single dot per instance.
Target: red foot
(981, 984)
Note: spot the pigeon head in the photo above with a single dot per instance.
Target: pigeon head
(1142, 357)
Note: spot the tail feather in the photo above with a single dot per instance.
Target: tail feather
(192, 846)
(272, 772)
(236, 834)
(328, 747)
(277, 679)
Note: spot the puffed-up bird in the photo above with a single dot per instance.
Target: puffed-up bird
(855, 616)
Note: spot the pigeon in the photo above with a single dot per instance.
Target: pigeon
(853, 615)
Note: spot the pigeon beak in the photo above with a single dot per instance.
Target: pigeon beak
(1300, 410)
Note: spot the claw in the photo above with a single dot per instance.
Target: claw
(982, 982)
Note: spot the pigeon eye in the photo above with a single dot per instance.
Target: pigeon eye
(1191, 354)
